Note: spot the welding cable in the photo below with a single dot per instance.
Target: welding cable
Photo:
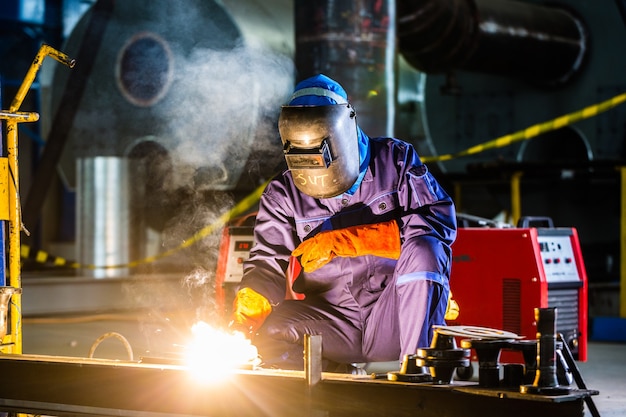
(116, 335)
(534, 130)
(476, 332)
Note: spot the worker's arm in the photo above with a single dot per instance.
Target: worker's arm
(380, 239)
(265, 269)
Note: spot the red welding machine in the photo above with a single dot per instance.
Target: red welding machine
(500, 275)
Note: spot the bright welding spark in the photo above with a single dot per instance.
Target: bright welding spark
(212, 354)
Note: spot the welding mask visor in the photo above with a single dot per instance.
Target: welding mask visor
(321, 147)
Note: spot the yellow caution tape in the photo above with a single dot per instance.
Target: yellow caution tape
(44, 257)
(534, 130)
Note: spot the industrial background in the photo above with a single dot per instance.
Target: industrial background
(165, 130)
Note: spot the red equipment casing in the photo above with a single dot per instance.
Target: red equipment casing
(499, 276)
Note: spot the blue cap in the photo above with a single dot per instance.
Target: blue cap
(318, 90)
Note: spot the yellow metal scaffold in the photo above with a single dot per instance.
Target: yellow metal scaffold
(10, 203)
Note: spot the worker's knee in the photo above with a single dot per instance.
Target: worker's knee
(281, 331)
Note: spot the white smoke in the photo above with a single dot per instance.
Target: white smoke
(200, 285)
(221, 104)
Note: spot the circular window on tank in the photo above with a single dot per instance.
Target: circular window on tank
(144, 69)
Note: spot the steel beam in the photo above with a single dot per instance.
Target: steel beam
(64, 386)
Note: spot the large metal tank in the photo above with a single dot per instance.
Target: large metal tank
(178, 107)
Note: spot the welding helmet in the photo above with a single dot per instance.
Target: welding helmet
(319, 133)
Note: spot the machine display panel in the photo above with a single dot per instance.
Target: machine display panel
(558, 259)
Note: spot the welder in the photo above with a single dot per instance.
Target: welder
(371, 229)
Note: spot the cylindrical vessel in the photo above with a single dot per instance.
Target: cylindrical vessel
(352, 42)
(103, 216)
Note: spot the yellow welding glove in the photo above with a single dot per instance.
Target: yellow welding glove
(380, 239)
(250, 309)
(452, 310)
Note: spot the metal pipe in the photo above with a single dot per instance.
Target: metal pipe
(20, 116)
(44, 50)
(546, 347)
(352, 42)
(546, 45)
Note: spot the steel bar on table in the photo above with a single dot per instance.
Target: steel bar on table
(63, 386)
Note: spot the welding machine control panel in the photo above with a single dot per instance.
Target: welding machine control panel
(240, 241)
(557, 255)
